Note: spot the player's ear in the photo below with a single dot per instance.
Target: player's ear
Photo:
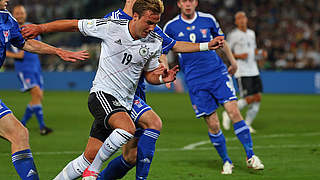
(135, 16)
(178, 3)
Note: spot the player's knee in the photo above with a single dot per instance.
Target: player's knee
(150, 120)
(234, 114)
(250, 99)
(21, 136)
(257, 97)
(155, 123)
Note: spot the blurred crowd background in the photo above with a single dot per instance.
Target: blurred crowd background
(288, 29)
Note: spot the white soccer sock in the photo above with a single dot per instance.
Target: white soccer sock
(252, 112)
(74, 169)
(242, 103)
(111, 145)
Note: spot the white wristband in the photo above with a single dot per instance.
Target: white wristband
(204, 46)
(161, 80)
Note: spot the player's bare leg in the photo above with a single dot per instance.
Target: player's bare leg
(119, 166)
(123, 132)
(12, 130)
(218, 140)
(35, 106)
(253, 109)
(243, 134)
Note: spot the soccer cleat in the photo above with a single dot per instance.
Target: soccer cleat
(89, 175)
(45, 131)
(225, 120)
(255, 163)
(227, 168)
(252, 131)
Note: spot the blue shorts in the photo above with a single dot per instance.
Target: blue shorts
(205, 98)
(4, 110)
(138, 108)
(29, 80)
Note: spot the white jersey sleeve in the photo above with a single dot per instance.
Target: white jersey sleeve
(153, 63)
(94, 27)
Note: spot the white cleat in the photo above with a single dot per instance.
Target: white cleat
(252, 131)
(227, 168)
(225, 120)
(255, 163)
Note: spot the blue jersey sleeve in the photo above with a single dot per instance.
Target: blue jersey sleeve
(215, 27)
(16, 38)
(167, 43)
(118, 14)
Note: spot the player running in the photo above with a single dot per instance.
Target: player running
(207, 79)
(141, 113)
(28, 68)
(244, 47)
(10, 127)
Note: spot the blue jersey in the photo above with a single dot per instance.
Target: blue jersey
(9, 33)
(198, 65)
(29, 63)
(167, 44)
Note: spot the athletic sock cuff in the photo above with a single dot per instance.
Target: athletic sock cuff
(152, 133)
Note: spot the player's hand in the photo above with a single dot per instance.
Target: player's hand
(73, 56)
(31, 31)
(232, 69)
(160, 70)
(243, 56)
(168, 85)
(216, 43)
(169, 76)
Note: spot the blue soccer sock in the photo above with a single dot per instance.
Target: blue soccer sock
(219, 142)
(27, 115)
(116, 169)
(146, 148)
(25, 167)
(243, 134)
(39, 113)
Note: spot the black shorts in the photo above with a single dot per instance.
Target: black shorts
(249, 85)
(102, 106)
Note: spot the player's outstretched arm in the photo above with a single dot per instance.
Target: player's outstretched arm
(38, 47)
(188, 47)
(154, 77)
(30, 31)
(17, 55)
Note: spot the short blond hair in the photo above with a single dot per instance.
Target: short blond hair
(140, 6)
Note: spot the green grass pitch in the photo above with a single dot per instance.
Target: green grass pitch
(287, 139)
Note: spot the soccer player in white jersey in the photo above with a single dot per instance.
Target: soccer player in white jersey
(127, 50)
(207, 79)
(243, 45)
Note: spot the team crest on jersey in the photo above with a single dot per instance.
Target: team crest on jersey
(220, 32)
(191, 28)
(204, 32)
(144, 51)
(6, 35)
(137, 103)
(118, 42)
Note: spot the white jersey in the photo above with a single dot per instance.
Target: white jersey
(122, 59)
(244, 42)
